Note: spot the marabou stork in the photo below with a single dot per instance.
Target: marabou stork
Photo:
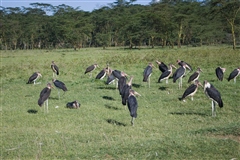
(111, 78)
(195, 75)
(102, 73)
(219, 72)
(55, 69)
(147, 73)
(166, 74)
(178, 74)
(59, 85)
(34, 77)
(73, 105)
(191, 90)
(122, 81)
(233, 75)
(90, 69)
(132, 104)
(162, 67)
(44, 95)
(188, 66)
(125, 91)
(213, 94)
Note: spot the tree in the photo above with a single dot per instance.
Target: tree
(229, 11)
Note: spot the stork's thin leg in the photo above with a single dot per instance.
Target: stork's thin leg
(181, 82)
(192, 98)
(234, 80)
(47, 105)
(213, 109)
(116, 83)
(149, 82)
(58, 95)
(166, 81)
(44, 105)
(132, 121)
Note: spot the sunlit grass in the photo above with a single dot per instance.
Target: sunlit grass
(165, 128)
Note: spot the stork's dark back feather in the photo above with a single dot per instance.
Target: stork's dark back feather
(121, 82)
(147, 72)
(164, 75)
(101, 74)
(60, 85)
(44, 95)
(132, 106)
(89, 69)
(219, 73)
(233, 74)
(214, 94)
(125, 93)
(162, 67)
(178, 73)
(116, 73)
(55, 68)
(110, 79)
(189, 90)
(193, 77)
(32, 78)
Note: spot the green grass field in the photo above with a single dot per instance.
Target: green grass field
(165, 128)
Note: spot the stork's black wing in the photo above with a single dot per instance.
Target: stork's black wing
(146, 73)
(233, 74)
(132, 106)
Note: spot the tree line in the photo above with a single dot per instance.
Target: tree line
(121, 23)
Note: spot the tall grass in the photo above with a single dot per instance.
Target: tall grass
(165, 128)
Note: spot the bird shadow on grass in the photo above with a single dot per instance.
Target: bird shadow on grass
(114, 122)
(136, 85)
(32, 111)
(108, 98)
(107, 87)
(189, 113)
(53, 98)
(111, 107)
(162, 88)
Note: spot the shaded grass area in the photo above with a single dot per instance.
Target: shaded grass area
(165, 128)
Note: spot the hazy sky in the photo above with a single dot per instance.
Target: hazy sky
(86, 5)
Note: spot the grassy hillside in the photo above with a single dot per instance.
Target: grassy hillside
(165, 128)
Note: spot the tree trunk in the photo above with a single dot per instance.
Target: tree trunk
(233, 36)
(179, 35)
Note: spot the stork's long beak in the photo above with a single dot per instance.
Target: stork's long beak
(40, 75)
(200, 84)
(174, 66)
(136, 93)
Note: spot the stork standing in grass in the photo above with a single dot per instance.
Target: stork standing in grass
(213, 94)
(219, 72)
(233, 75)
(191, 90)
(90, 69)
(165, 75)
(178, 74)
(55, 69)
(102, 73)
(195, 75)
(59, 85)
(162, 67)
(125, 91)
(122, 81)
(132, 104)
(147, 73)
(44, 95)
(34, 77)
